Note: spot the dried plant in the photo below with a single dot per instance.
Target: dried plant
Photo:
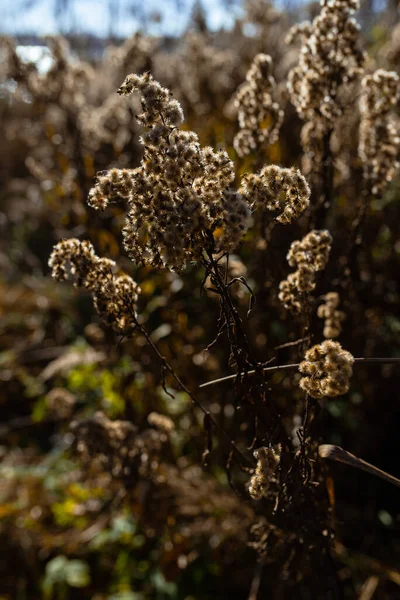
(114, 297)
(379, 145)
(180, 191)
(259, 116)
(329, 57)
(123, 458)
(117, 447)
(308, 256)
(264, 478)
(330, 61)
(333, 317)
(267, 188)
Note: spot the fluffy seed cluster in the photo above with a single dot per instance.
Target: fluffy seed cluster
(275, 186)
(327, 370)
(116, 446)
(114, 296)
(309, 255)
(268, 460)
(109, 123)
(333, 317)
(180, 195)
(111, 186)
(379, 145)
(299, 32)
(203, 73)
(260, 118)
(329, 57)
(161, 422)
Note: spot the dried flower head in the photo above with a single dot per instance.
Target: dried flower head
(109, 123)
(275, 186)
(309, 255)
(155, 100)
(327, 369)
(264, 478)
(379, 145)
(260, 118)
(328, 57)
(114, 296)
(180, 195)
(333, 317)
(298, 33)
(313, 249)
(117, 447)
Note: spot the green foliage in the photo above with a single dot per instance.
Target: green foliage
(98, 387)
(62, 573)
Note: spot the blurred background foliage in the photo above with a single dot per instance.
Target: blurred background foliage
(69, 531)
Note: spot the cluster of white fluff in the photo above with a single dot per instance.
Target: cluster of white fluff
(308, 255)
(114, 296)
(379, 145)
(333, 317)
(180, 197)
(260, 117)
(329, 57)
(264, 478)
(326, 370)
(266, 189)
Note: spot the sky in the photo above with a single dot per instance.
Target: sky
(93, 16)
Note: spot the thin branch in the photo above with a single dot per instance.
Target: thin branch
(238, 341)
(357, 361)
(369, 588)
(195, 401)
(255, 584)
(291, 344)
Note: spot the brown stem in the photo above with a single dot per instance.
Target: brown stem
(241, 349)
(195, 401)
(231, 314)
(337, 453)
